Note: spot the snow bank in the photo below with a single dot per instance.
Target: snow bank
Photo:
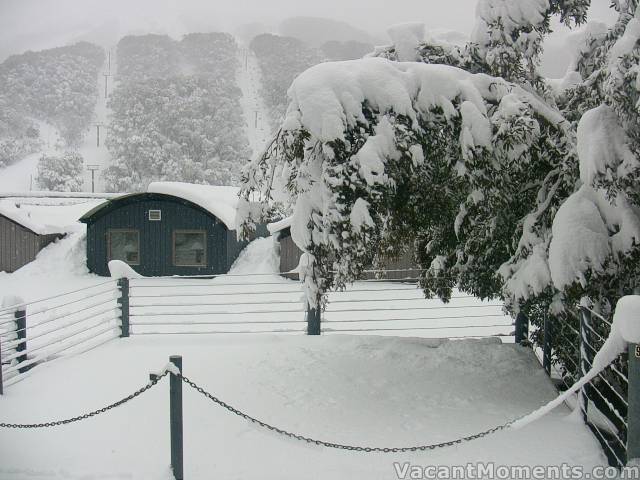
(221, 201)
(119, 269)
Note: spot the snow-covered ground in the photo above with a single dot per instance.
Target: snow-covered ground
(376, 391)
(255, 111)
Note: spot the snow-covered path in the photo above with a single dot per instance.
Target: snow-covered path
(255, 111)
(376, 391)
(89, 149)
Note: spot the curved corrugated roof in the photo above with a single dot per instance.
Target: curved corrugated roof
(221, 202)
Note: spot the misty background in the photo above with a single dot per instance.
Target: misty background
(39, 24)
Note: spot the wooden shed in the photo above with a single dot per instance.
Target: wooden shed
(22, 237)
(172, 229)
(399, 268)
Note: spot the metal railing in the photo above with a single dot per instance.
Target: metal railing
(384, 302)
(566, 350)
(35, 332)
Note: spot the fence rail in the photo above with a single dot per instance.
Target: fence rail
(567, 348)
(384, 302)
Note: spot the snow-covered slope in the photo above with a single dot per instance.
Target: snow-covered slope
(253, 107)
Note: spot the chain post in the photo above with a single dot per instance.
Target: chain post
(586, 358)
(522, 329)
(21, 331)
(123, 301)
(546, 348)
(175, 419)
(633, 416)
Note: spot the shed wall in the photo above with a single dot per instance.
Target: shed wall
(156, 238)
(18, 245)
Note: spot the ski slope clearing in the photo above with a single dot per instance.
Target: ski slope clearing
(376, 391)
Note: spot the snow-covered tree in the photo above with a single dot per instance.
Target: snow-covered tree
(176, 112)
(373, 152)
(281, 59)
(590, 247)
(61, 173)
(58, 86)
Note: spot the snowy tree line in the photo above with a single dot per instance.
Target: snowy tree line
(176, 112)
(507, 185)
(58, 86)
(282, 59)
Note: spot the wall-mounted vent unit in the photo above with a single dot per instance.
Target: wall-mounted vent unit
(155, 215)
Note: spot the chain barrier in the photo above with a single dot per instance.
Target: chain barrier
(78, 418)
(302, 438)
(339, 446)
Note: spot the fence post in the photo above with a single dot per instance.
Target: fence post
(175, 409)
(633, 416)
(21, 331)
(586, 356)
(123, 301)
(1, 386)
(546, 347)
(314, 320)
(522, 329)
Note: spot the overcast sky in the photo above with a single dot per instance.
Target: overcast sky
(37, 24)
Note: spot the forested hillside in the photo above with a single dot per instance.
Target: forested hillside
(176, 112)
(281, 60)
(57, 86)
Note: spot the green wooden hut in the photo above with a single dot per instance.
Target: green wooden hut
(172, 229)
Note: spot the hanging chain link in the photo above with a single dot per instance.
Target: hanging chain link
(78, 418)
(353, 448)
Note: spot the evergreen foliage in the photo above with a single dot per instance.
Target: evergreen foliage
(176, 112)
(58, 86)
(281, 60)
(61, 173)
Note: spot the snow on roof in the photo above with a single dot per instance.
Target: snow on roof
(280, 225)
(46, 219)
(221, 201)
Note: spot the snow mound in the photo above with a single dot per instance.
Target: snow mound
(119, 269)
(603, 145)
(259, 257)
(221, 201)
(406, 37)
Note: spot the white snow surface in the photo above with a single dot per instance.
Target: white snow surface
(119, 269)
(581, 234)
(255, 111)
(405, 38)
(329, 96)
(45, 219)
(583, 226)
(362, 390)
(627, 318)
(603, 145)
(280, 225)
(221, 201)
